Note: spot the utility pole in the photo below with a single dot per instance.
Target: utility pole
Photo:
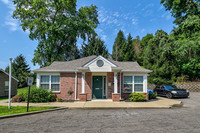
(10, 71)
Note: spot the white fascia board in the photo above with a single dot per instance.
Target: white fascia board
(45, 71)
(113, 65)
(136, 71)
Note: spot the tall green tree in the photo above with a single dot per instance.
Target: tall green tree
(56, 25)
(129, 49)
(95, 46)
(181, 9)
(20, 70)
(118, 52)
(158, 56)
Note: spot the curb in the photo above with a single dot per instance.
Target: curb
(120, 107)
(30, 113)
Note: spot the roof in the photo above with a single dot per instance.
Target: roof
(81, 64)
(8, 75)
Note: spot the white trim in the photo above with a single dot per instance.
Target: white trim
(83, 83)
(44, 71)
(115, 82)
(38, 84)
(120, 85)
(8, 75)
(93, 60)
(133, 84)
(75, 85)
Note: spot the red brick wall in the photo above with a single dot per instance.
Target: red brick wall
(110, 89)
(88, 85)
(67, 82)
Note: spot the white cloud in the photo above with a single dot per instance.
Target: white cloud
(9, 21)
(134, 21)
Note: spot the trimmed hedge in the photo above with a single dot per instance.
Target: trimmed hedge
(137, 97)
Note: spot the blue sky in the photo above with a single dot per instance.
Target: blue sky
(137, 17)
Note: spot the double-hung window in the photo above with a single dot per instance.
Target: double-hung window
(128, 84)
(50, 82)
(138, 83)
(55, 83)
(44, 83)
(133, 83)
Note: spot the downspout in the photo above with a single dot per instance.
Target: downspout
(120, 86)
(75, 85)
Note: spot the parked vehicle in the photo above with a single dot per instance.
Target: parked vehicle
(170, 91)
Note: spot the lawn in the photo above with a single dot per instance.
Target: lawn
(22, 90)
(20, 109)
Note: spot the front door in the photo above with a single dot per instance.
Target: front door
(97, 89)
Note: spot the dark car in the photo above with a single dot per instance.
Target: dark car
(170, 91)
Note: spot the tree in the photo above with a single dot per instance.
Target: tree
(159, 57)
(95, 46)
(180, 9)
(129, 49)
(56, 25)
(20, 70)
(117, 52)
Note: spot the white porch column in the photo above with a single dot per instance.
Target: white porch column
(115, 82)
(75, 85)
(120, 86)
(38, 81)
(83, 82)
(145, 83)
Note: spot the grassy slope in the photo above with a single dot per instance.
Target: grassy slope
(20, 109)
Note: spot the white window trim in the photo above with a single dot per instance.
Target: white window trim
(128, 83)
(133, 83)
(47, 74)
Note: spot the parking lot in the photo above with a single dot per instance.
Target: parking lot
(183, 120)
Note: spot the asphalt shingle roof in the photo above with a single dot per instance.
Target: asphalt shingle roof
(74, 65)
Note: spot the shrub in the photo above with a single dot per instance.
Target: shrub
(18, 98)
(137, 97)
(38, 95)
(152, 95)
(58, 99)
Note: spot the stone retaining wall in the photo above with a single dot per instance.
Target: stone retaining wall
(191, 86)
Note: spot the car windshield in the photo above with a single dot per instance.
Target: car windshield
(170, 87)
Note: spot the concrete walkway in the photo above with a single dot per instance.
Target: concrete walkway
(160, 102)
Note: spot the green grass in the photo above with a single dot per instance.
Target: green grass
(3, 98)
(20, 109)
(23, 90)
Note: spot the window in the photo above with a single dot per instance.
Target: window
(44, 82)
(6, 85)
(138, 83)
(51, 82)
(128, 84)
(133, 83)
(55, 83)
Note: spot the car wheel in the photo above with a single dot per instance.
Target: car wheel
(169, 95)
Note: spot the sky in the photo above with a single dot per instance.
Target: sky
(138, 17)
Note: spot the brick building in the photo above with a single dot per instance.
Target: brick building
(4, 84)
(93, 77)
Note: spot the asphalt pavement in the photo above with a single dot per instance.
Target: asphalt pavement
(176, 120)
